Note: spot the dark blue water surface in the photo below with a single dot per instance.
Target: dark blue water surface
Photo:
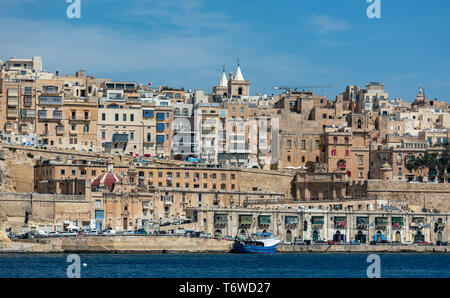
(225, 265)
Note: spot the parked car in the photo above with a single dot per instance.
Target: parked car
(228, 238)
(423, 243)
(53, 234)
(128, 233)
(42, 234)
(159, 232)
(179, 232)
(69, 234)
(299, 242)
(140, 232)
(332, 242)
(407, 243)
(287, 242)
(91, 233)
(109, 233)
(319, 241)
(12, 235)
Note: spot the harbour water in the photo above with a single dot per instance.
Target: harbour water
(309, 265)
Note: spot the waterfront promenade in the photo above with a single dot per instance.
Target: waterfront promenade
(163, 244)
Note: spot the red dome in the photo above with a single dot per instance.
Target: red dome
(107, 179)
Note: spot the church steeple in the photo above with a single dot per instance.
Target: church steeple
(238, 76)
(223, 81)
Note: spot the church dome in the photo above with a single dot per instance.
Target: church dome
(107, 179)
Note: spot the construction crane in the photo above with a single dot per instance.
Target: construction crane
(289, 88)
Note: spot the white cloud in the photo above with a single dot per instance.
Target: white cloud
(325, 24)
(187, 52)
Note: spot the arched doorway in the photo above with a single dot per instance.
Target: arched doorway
(243, 234)
(398, 237)
(439, 237)
(218, 234)
(315, 235)
(289, 236)
(419, 237)
(379, 237)
(360, 237)
(337, 236)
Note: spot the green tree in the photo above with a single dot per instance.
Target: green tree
(443, 163)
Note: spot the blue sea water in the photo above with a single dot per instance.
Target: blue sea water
(310, 265)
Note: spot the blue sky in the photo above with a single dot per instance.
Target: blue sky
(184, 43)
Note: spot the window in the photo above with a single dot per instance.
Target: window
(347, 151)
(160, 116)
(124, 117)
(160, 139)
(303, 144)
(333, 152)
(160, 126)
(63, 172)
(132, 117)
(103, 116)
(361, 160)
(335, 140)
(288, 144)
(223, 176)
(116, 117)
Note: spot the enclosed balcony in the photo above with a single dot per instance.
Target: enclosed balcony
(291, 221)
(317, 222)
(381, 223)
(28, 113)
(60, 130)
(340, 222)
(168, 200)
(12, 113)
(264, 221)
(220, 220)
(362, 223)
(417, 222)
(13, 101)
(245, 220)
(397, 223)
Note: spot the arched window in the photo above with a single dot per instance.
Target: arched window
(359, 123)
(176, 112)
(240, 91)
(185, 112)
